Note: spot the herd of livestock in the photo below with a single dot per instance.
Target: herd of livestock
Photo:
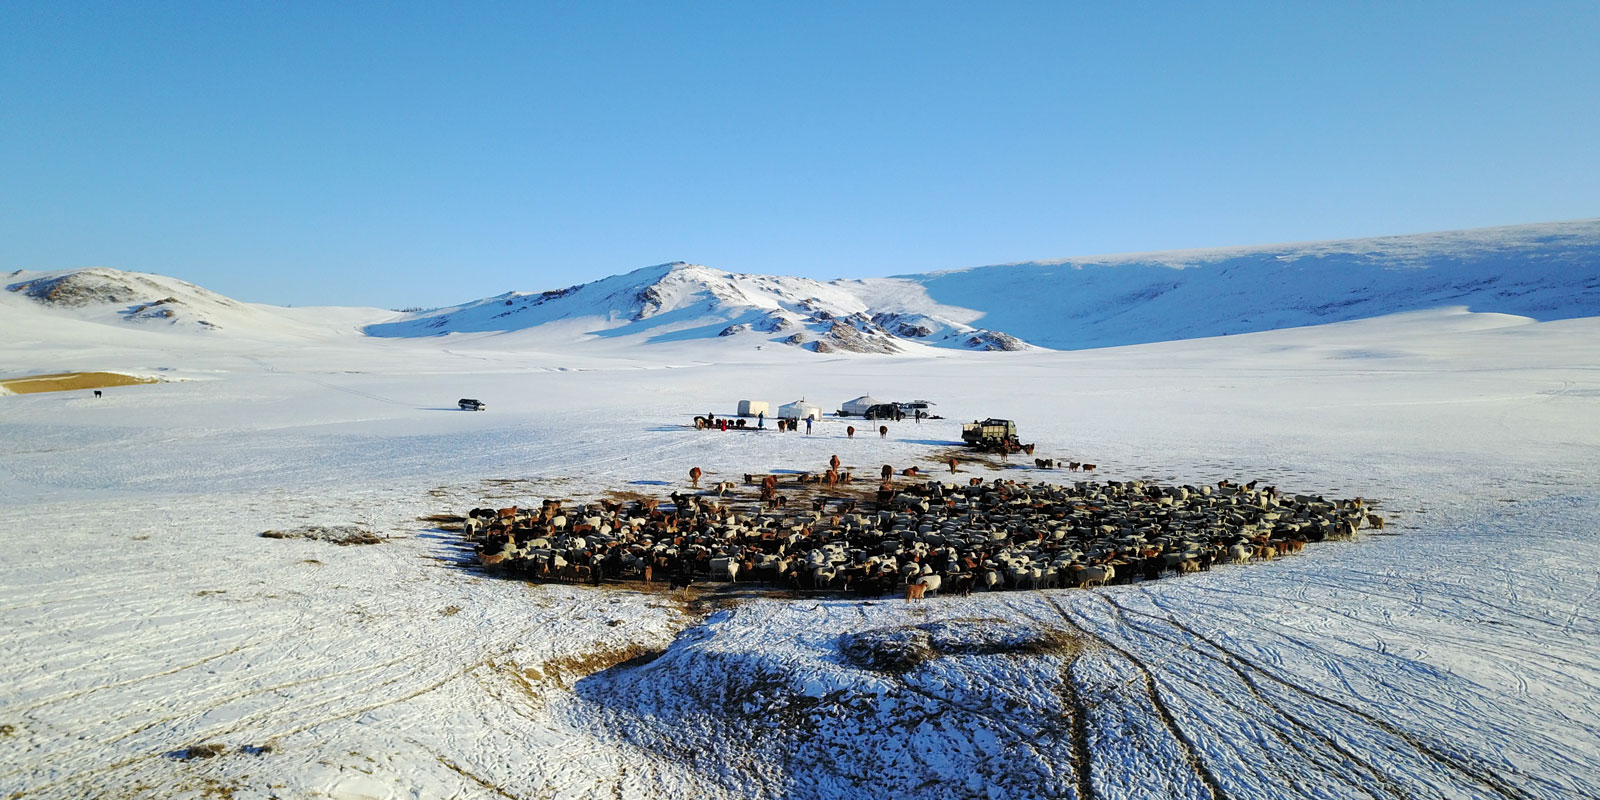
(919, 538)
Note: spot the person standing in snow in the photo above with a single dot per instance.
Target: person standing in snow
(808, 426)
(761, 419)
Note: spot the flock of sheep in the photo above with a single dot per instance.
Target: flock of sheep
(921, 538)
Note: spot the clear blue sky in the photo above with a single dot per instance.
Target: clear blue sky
(423, 154)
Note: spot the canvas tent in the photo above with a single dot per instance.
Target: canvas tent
(750, 408)
(799, 409)
(858, 406)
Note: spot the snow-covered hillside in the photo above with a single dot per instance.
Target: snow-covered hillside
(1543, 272)
(35, 302)
(679, 302)
(1548, 271)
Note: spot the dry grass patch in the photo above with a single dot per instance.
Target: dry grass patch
(68, 381)
(902, 649)
(208, 750)
(565, 670)
(342, 535)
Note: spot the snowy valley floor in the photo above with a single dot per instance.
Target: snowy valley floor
(1452, 656)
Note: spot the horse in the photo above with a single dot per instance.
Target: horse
(883, 430)
(694, 476)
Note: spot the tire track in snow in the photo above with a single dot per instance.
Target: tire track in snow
(1081, 755)
(1485, 779)
(1255, 691)
(1191, 753)
(70, 696)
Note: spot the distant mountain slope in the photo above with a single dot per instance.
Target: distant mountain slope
(1548, 271)
(153, 303)
(679, 301)
(1542, 271)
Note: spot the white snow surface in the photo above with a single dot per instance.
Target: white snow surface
(1454, 655)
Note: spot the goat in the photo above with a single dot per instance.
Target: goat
(914, 591)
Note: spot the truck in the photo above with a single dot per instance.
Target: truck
(999, 434)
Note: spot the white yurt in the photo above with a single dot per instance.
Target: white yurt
(799, 409)
(858, 406)
(750, 408)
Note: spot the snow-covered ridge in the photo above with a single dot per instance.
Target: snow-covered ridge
(150, 303)
(1546, 271)
(130, 296)
(679, 301)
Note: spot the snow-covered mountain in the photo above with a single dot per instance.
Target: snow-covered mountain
(1544, 271)
(1548, 271)
(148, 303)
(102, 294)
(679, 301)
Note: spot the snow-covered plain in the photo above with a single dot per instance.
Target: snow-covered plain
(1455, 655)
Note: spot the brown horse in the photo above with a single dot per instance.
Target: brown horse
(850, 431)
(694, 476)
(888, 472)
(883, 430)
(833, 462)
(953, 464)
